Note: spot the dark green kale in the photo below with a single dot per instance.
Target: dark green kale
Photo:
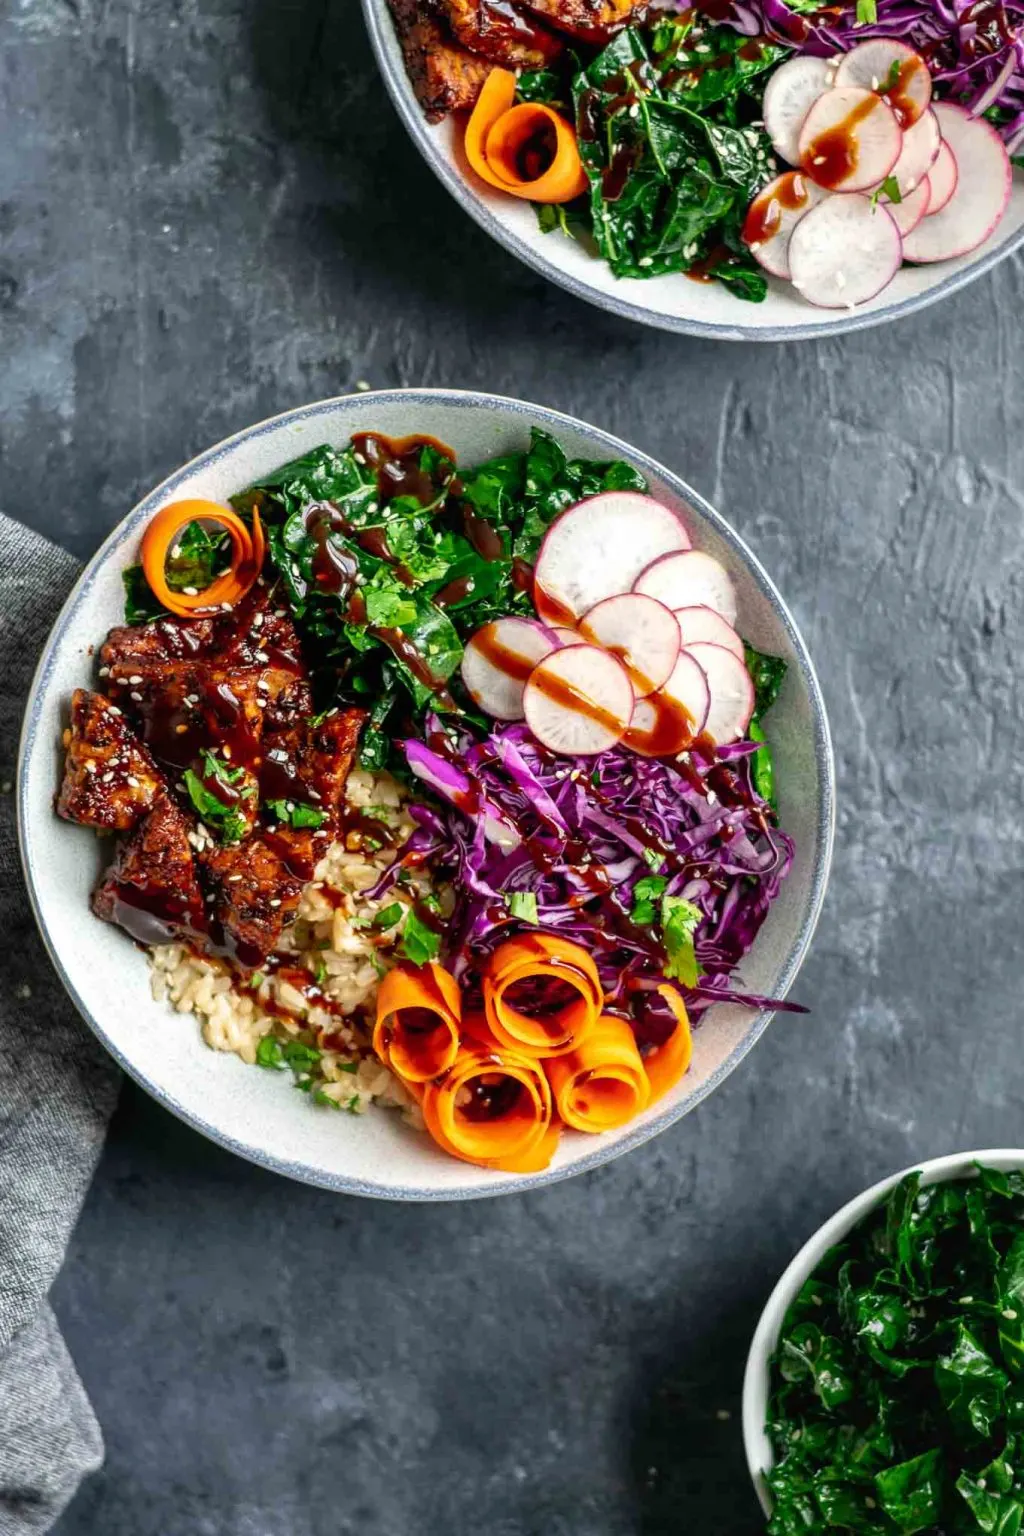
(669, 126)
(897, 1385)
(767, 674)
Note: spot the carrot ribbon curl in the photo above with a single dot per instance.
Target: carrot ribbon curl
(419, 1013)
(542, 995)
(494, 1109)
(668, 1062)
(603, 1084)
(247, 552)
(526, 150)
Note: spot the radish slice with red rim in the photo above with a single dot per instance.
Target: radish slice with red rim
(732, 692)
(984, 180)
(578, 701)
(850, 140)
(908, 213)
(697, 624)
(845, 251)
(789, 95)
(597, 548)
(892, 69)
(942, 178)
(773, 216)
(641, 632)
(921, 145)
(669, 721)
(497, 661)
(566, 636)
(689, 580)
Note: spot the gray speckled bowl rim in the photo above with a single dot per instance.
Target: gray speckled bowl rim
(378, 24)
(608, 447)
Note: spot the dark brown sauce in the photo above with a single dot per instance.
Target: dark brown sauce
(368, 828)
(703, 271)
(501, 656)
(455, 592)
(834, 155)
(617, 173)
(536, 153)
(522, 574)
(560, 691)
(671, 733)
(335, 568)
(483, 536)
(403, 648)
(765, 213)
(491, 1096)
(216, 721)
(551, 609)
(396, 463)
(897, 94)
(154, 915)
(280, 778)
(499, 16)
(541, 997)
(588, 116)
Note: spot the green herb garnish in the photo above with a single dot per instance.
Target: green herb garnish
(523, 905)
(295, 813)
(419, 943)
(867, 14)
(897, 1386)
(645, 897)
(889, 188)
(227, 821)
(390, 915)
(679, 922)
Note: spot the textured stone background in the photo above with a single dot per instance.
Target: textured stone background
(208, 213)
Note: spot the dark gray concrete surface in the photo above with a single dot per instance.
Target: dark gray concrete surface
(208, 213)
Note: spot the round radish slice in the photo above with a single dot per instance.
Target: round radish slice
(689, 580)
(791, 92)
(773, 216)
(942, 178)
(981, 195)
(844, 251)
(641, 632)
(892, 69)
(498, 660)
(597, 549)
(578, 701)
(697, 624)
(732, 692)
(668, 721)
(921, 145)
(566, 636)
(907, 215)
(850, 140)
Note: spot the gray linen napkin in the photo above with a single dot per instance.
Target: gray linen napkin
(57, 1090)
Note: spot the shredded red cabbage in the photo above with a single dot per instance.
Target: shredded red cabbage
(974, 48)
(579, 834)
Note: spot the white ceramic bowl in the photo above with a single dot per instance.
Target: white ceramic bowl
(257, 1113)
(672, 303)
(956, 1165)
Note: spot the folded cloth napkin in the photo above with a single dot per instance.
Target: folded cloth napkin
(57, 1090)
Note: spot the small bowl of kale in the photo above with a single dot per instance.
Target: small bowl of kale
(884, 1389)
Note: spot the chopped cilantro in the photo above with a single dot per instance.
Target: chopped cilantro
(890, 188)
(257, 979)
(419, 943)
(320, 1097)
(867, 13)
(277, 1054)
(227, 821)
(320, 972)
(645, 895)
(388, 916)
(269, 1053)
(348, 1066)
(654, 860)
(679, 922)
(389, 607)
(295, 814)
(523, 904)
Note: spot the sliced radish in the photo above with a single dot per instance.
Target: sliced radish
(773, 216)
(791, 92)
(641, 632)
(850, 140)
(942, 178)
(668, 721)
(844, 251)
(597, 549)
(578, 700)
(566, 636)
(894, 70)
(697, 624)
(982, 190)
(732, 692)
(921, 145)
(497, 661)
(689, 580)
(908, 213)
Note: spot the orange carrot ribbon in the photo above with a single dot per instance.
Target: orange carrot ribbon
(667, 1063)
(519, 1014)
(494, 1109)
(247, 552)
(418, 1019)
(527, 150)
(602, 1084)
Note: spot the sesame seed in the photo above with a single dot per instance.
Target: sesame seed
(104, 671)
(107, 778)
(275, 901)
(257, 620)
(90, 766)
(819, 160)
(114, 709)
(133, 781)
(136, 696)
(176, 552)
(136, 679)
(190, 591)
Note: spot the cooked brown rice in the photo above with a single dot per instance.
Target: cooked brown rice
(333, 940)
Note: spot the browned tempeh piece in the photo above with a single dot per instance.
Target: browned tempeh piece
(591, 21)
(110, 780)
(254, 896)
(151, 889)
(446, 77)
(500, 31)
